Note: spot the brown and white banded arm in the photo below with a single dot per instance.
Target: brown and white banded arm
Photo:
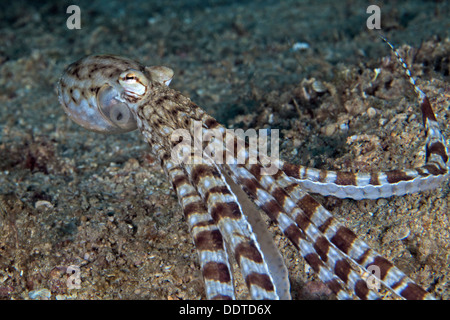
(381, 184)
(315, 217)
(208, 239)
(325, 244)
(386, 183)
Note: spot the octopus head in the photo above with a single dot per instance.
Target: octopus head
(101, 100)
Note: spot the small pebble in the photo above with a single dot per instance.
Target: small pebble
(296, 142)
(319, 87)
(403, 233)
(330, 129)
(43, 204)
(371, 112)
(300, 46)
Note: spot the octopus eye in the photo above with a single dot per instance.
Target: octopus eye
(134, 83)
(130, 76)
(116, 112)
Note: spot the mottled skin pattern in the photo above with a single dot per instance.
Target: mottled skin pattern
(113, 94)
